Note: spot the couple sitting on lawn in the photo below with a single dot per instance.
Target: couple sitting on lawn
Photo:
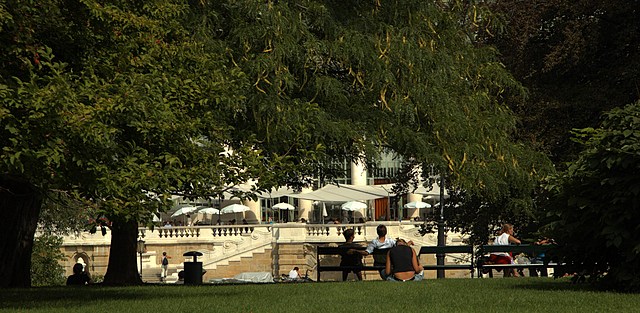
(401, 261)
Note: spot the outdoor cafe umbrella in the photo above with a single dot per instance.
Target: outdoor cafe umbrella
(417, 205)
(209, 210)
(284, 206)
(353, 206)
(235, 208)
(184, 210)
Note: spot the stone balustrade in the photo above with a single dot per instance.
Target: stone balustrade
(221, 244)
(286, 232)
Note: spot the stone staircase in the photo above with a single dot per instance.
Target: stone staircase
(152, 274)
(258, 260)
(222, 262)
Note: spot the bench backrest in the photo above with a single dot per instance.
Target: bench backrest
(379, 255)
(445, 249)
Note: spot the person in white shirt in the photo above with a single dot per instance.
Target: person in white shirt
(382, 242)
(504, 238)
(294, 273)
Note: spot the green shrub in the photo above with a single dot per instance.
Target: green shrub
(598, 202)
(45, 268)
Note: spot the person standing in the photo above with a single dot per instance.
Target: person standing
(164, 266)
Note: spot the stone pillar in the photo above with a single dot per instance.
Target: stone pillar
(359, 178)
(414, 212)
(253, 216)
(305, 207)
(358, 174)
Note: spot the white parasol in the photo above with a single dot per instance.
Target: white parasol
(417, 205)
(353, 206)
(284, 206)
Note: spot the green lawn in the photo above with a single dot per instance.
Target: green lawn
(448, 295)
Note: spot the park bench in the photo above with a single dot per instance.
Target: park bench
(530, 250)
(379, 260)
(444, 251)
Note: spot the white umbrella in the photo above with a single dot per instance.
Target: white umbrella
(184, 210)
(235, 208)
(209, 211)
(417, 205)
(284, 206)
(353, 206)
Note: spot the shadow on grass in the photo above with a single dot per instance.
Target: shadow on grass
(559, 284)
(61, 297)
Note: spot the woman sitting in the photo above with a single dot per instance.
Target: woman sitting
(402, 263)
(504, 238)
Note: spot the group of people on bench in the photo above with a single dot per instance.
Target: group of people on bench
(401, 262)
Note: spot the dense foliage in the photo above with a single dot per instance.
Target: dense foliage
(598, 202)
(118, 104)
(45, 267)
(577, 58)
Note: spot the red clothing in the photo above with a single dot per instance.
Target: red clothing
(500, 259)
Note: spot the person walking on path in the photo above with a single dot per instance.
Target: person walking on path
(164, 266)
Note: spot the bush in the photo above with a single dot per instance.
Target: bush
(45, 269)
(598, 202)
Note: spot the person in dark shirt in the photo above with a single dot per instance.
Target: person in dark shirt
(79, 277)
(350, 258)
(402, 263)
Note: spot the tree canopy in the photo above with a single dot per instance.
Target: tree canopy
(121, 103)
(578, 59)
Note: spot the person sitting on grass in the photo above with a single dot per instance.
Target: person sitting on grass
(294, 274)
(402, 263)
(180, 280)
(79, 277)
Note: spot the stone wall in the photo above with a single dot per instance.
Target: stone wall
(259, 262)
(230, 250)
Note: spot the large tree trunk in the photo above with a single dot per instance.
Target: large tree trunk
(122, 268)
(20, 204)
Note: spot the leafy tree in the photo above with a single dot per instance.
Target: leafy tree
(129, 102)
(128, 105)
(404, 76)
(577, 59)
(597, 202)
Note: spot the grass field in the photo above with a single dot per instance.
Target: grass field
(448, 295)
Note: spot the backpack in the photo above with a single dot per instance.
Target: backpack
(165, 261)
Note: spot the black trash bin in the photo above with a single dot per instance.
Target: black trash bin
(193, 270)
